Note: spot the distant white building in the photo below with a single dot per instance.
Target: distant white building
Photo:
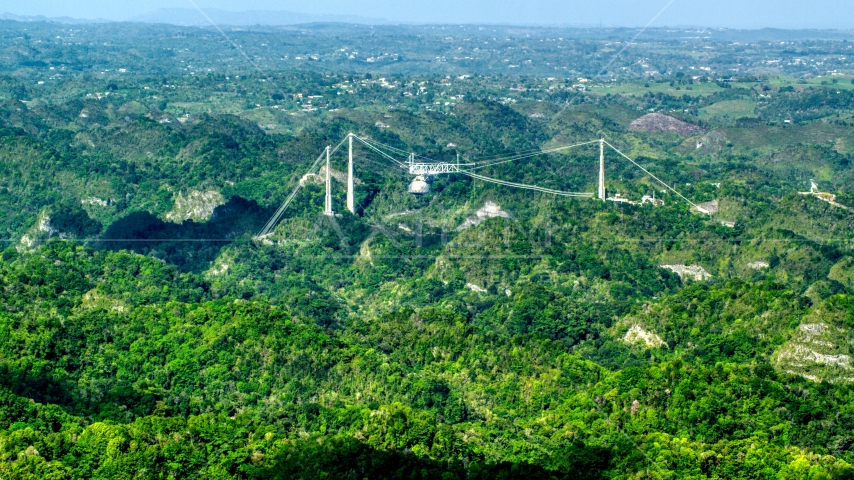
(656, 202)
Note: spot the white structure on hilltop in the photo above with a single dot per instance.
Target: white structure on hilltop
(328, 204)
(602, 169)
(351, 203)
(656, 202)
(826, 196)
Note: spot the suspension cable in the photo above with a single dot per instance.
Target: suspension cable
(368, 144)
(397, 150)
(268, 227)
(525, 186)
(388, 147)
(651, 175)
(533, 154)
(332, 152)
(492, 161)
(378, 148)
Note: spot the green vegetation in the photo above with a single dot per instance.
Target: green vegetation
(729, 109)
(145, 332)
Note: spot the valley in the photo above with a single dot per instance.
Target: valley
(697, 325)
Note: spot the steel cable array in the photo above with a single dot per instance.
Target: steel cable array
(387, 152)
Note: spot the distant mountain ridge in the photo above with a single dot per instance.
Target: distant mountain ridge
(192, 17)
(42, 18)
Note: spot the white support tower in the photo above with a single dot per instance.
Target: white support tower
(423, 170)
(602, 169)
(328, 209)
(351, 202)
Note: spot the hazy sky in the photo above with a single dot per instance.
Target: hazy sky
(713, 13)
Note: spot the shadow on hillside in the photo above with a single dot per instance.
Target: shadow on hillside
(57, 388)
(190, 246)
(339, 457)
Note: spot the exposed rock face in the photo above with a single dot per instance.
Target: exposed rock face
(693, 272)
(659, 122)
(757, 265)
(43, 224)
(28, 242)
(195, 205)
(709, 207)
(638, 336)
(220, 267)
(475, 288)
(818, 352)
(489, 210)
(94, 201)
(365, 251)
(39, 232)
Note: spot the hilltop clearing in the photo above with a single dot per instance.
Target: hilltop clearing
(658, 122)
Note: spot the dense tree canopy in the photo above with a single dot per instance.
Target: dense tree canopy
(477, 331)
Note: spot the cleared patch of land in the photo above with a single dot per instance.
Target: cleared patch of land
(637, 89)
(729, 109)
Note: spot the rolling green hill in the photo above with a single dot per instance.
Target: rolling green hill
(476, 331)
